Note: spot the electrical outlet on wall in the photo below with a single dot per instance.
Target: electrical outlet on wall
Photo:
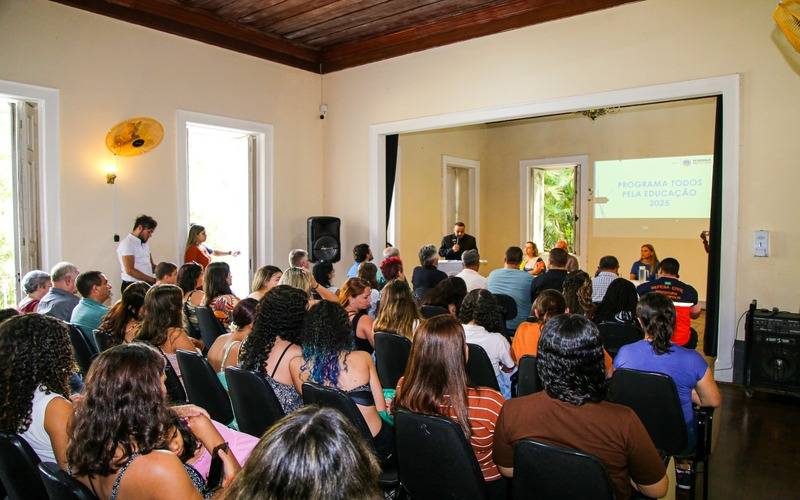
(761, 243)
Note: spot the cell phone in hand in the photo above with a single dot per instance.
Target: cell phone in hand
(216, 471)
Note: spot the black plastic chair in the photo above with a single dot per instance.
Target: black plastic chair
(203, 387)
(615, 335)
(254, 402)
(508, 304)
(103, 340)
(428, 311)
(18, 470)
(210, 326)
(528, 376)
(81, 349)
(88, 336)
(546, 471)
(330, 397)
(391, 357)
(479, 368)
(434, 459)
(62, 486)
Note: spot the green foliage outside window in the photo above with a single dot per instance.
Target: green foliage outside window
(559, 207)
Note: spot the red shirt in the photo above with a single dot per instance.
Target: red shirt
(199, 254)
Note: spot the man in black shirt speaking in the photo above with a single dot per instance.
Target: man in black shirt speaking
(453, 245)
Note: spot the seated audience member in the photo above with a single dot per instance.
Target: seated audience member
(532, 261)
(162, 326)
(225, 350)
(312, 453)
(553, 278)
(8, 313)
(368, 272)
(361, 253)
(190, 278)
(577, 290)
(607, 271)
(302, 279)
(511, 281)
(648, 260)
(276, 339)
(117, 444)
(389, 251)
(355, 298)
(60, 300)
(35, 284)
(324, 273)
(265, 279)
(435, 382)
(328, 359)
(572, 261)
(548, 304)
(472, 278)
(398, 313)
(447, 294)
(37, 356)
(693, 378)
(218, 294)
(570, 412)
(392, 268)
(483, 321)
(197, 250)
(166, 273)
(299, 258)
(618, 304)
(682, 295)
(426, 275)
(95, 290)
(121, 323)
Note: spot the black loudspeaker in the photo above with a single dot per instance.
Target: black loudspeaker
(772, 361)
(323, 239)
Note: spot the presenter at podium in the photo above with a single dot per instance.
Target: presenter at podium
(453, 245)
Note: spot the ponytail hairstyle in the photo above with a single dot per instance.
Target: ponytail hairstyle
(657, 315)
(549, 303)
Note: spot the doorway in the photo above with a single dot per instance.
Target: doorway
(460, 189)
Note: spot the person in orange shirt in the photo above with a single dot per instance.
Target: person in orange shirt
(197, 251)
(548, 304)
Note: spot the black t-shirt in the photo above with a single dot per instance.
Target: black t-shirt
(552, 279)
(426, 277)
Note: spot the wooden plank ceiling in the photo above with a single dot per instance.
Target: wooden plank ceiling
(329, 35)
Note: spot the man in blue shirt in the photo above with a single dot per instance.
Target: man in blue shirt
(95, 290)
(60, 300)
(511, 281)
(361, 253)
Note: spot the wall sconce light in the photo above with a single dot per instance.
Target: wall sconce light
(111, 172)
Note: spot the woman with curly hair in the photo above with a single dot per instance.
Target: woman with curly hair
(355, 298)
(577, 290)
(190, 278)
(448, 294)
(121, 323)
(122, 428)
(217, 287)
(225, 350)
(482, 318)
(436, 383)
(265, 279)
(313, 453)
(329, 359)
(571, 412)
(276, 339)
(34, 383)
(398, 312)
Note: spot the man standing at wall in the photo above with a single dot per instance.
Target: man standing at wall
(134, 253)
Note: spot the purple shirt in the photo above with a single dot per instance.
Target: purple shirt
(685, 366)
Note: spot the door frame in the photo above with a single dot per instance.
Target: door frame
(474, 167)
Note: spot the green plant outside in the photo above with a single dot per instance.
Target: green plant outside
(559, 207)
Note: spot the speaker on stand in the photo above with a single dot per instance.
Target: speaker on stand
(772, 362)
(323, 239)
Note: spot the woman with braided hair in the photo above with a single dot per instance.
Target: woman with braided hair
(34, 384)
(276, 338)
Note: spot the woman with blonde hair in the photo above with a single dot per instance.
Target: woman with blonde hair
(648, 260)
(197, 251)
(297, 277)
(532, 261)
(398, 313)
(355, 298)
(265, 279)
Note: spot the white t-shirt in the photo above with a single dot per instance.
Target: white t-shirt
(131, 245)
(495, 345)
(36, 436)
(473, 279)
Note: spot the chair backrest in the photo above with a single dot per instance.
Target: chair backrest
(103, 340)
(528, 376)
(88, 336)
(429, 311)
(203, 387)
(615, 335)
(434, 459)
(254, 402)
(508, 304)
(62, 486)
(331, 397)
(479, 368)
(83, 352)
(391, 357)
(210, 327)
(654, 398)
(18, 470)
(556, 472)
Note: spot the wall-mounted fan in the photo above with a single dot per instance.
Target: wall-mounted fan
(135, 136)
(787, 15)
